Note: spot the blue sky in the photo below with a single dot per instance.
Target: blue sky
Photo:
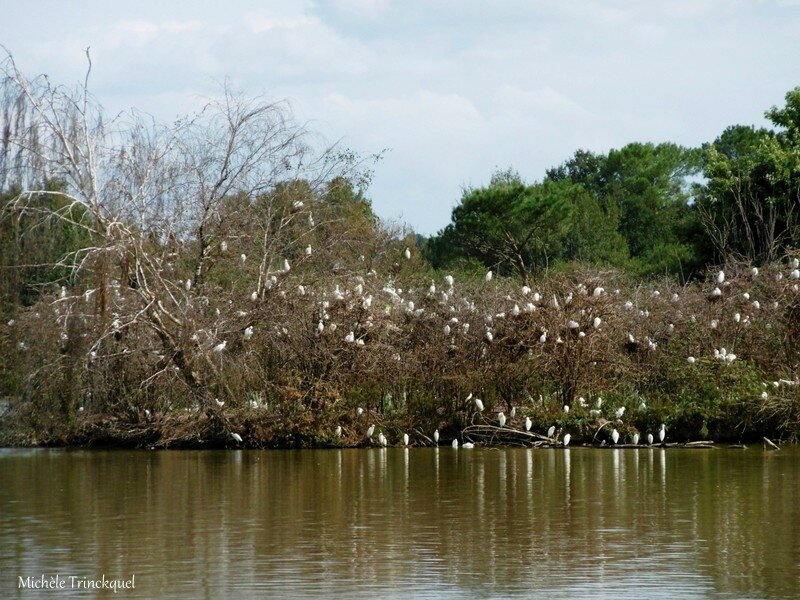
(455, 89)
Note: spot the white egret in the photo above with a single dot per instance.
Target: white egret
(543, 338)
(436, 436)
(620, 411)
(338, 431)
(635, 439)
(597, 292)
(220, 347)
(649, 439)
(297, 205)
(513, 412)
(479, 404)
(515, 311)
(350, 338)
(407, 253)
(551, 431)
(567, 438)
(359, 411)
(405, 439)
(642, 405)
(467, 445)
(447, 329)
(662, 433)
(525, 290)
(286, 266)
(721, 277)
(320, 327)
(254, 296)
(188, 284)
(448, 279)
(455, 443)
(615, 436)
(566, 408)
(301, 290)
(554, 302)
(528, 423)
(596, 322)
(370, 431)
(754, 272)
(236, 437)
(248, 332)
(716, 292)
(501, 418)
(223, 246)
(243, 258)
(219, 402)
(489, 336)
(488, 276)
(308, 250)
(691, 360)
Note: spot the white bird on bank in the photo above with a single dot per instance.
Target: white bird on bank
(501, 418)
(489, 275)
(551, 431)
(528, 423)
(479, 404)
(567, 438)
(635, 439)
(455, 443)
(467, 445)
(350, 338)
(662, 433)
(219, 402)
(649, 439)
(359, 411)
(405, 439)
(236, 437)
(248, 332)
(721, 277)
(308, 251)
(615, 436)
(620, 411)
(338, 431)
(436, 436)
(448, 279)
(370, 431)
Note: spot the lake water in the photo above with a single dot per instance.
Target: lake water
(404, 523)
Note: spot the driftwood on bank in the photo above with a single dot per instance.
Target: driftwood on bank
(493, 435)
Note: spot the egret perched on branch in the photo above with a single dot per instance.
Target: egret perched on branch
(448, 279)
(662, 433)
(513, 412)
(620, 412)
(350, 338)
(405, 439)
(220, 347)
(188, 284)
(567, 438)
(219, 402)
(286, 266)
(551, 431)
(338, 431)
(528, 423)
(501, 418)
(248, 332)
(525, 290)
(236, 437)
(308, 250)
(721, 277)
(489, 275)
(254, 296)
(243, 258)
(635, 439)
(455, 443)
(649, 439)
(615, 436)
(436, 436)
(370, 431)
(359, 411)
(479, 404)
(223, 246)
(407, 253)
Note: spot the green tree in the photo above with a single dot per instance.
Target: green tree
(750, 206)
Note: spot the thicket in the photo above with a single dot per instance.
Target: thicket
(174, 286)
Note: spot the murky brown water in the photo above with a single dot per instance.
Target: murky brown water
(403, 523)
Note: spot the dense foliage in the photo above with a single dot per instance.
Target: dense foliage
(179, 285)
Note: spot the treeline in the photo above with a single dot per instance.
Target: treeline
(175, 285)
(650, 209)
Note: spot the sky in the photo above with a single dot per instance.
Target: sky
(452, 90)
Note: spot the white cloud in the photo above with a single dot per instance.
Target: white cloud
(362, 9)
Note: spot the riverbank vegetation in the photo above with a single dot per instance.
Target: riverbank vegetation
(223, 281)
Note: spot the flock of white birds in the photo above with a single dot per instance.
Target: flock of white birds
(363, 311)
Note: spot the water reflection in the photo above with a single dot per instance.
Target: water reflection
(408, 522)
